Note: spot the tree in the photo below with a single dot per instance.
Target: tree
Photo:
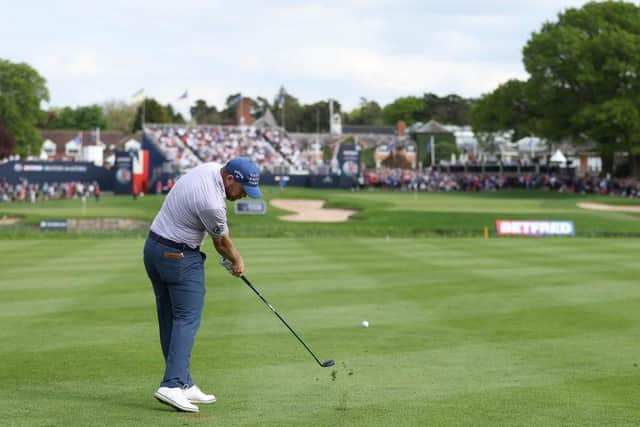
(82, 118)
(451, 109)
(313, 118)
(367, 113)
(444, 147)
(506, 108)
(153, 112)
(119, 115)
(205, 114)
(260, 106)
(22, 89)
(7, 142)
(409, 109)
(228, 115)
(174, 116)
(292, 112)
(585, 75)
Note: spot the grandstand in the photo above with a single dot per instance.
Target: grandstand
(185, 146)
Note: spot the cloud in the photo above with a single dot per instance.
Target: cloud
(345, 49)
(396, 73)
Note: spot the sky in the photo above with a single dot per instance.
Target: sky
(92, 52)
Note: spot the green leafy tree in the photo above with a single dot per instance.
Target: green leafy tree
(585, 73)
(506, 108)
(450, 109)
(82, 118)
(228, 114)
(205, 114)
(90, 117)
(292, 112)
(153, 112)
(259, 107)
(409, 109)
(367, 113)
(62, 118)
(22, 89)
(445, 147)
(174, 116)
(119, 115)
(314, 118)
(7, 142)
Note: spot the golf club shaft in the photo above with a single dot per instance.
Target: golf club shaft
(280, 317)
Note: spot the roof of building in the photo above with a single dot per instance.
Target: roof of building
(368, 130)
(431, 127)
(266, 121)
(109, 138)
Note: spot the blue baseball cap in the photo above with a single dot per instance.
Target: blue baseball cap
(247, 173)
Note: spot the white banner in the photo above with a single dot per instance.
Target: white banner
(535, 228)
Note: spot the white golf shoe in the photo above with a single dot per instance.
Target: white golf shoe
(195, 395)
(174, 396)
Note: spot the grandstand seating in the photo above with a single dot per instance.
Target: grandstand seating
(187, 146)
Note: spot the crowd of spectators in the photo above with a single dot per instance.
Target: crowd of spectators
(24, 191)
(187, 147)
(441, 181)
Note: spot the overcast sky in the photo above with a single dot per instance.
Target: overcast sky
(91, 52)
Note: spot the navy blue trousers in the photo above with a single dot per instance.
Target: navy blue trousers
(178, 284)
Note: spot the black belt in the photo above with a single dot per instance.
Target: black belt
(171, 243)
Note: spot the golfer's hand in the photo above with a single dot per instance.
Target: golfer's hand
(236, 269)
(228, 265)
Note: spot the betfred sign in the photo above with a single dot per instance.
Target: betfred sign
(535, 228)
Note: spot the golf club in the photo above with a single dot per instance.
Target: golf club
(326, 363)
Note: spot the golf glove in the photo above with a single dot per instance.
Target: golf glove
(228, 265)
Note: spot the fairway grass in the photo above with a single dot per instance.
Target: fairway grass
(518, 332)
(379, 213)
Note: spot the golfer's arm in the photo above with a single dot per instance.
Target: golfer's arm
(225, 247)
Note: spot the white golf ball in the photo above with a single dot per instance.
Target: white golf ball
(365, 324)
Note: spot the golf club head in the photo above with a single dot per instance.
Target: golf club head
(328, 363)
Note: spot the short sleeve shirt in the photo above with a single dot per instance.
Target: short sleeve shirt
(195, 206)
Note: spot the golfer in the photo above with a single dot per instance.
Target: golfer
(194, 207)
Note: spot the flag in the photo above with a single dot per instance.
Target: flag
(185, 95)
(281, 97)
(138, 95)
(78, 138)
(236, 100)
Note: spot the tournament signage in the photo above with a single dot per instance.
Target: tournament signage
(53, 225)
(251, 207)
(38, 172)
(349, 159)
(535, 228)
(123, 167)
(21, 167)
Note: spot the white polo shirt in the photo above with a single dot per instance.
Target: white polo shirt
(195, 206)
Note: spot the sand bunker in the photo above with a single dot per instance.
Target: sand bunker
(611, 208)
(311, 211)
(8, 220)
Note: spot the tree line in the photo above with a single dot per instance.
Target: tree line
(583, 85)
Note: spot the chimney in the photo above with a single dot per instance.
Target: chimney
(243, 112)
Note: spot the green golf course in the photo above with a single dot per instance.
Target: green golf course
(463, 331)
